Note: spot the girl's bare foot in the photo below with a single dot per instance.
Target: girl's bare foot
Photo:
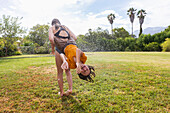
(61, 94)
(67, 93)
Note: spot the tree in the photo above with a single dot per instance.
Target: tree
(147, 38)
(1, 47)
(104, 33)
(166, 45)
(97, 40)
(120, 44)
(37, 42)
(81, 43)
(131, 12)
(167, 29)
(141, 15)
(130, 43)
(39, 34)
(140, 43)
(111, 17)
(10, 31)
(120, 33)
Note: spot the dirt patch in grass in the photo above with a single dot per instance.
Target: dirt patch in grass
(38, 71)
(34, 84)
(43, 70)
(34, 77)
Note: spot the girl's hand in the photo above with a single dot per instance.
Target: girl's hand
(64, 65)
(78, 69)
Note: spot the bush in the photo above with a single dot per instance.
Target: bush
(11, 51)
(166, 45)
(127, 49)
(154, 46)
(17, 53)
(40, 50)
(27, 43)
(34, 50)
(27, 49)
(2, 52)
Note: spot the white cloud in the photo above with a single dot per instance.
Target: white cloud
(12, 7)
(72, 13)
(69, 12)
(93, 21)
(43, 11)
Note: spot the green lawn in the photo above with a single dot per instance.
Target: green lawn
(125, 82)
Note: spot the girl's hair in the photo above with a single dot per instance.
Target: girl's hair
(54, 22)
(88, 77)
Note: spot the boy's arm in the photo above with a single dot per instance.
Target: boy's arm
(51, 38)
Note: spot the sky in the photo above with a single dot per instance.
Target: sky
(81, 15)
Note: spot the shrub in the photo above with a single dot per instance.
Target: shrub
(40, 50)
(17, 53)
(127, 49)
(2, 52)
(154, 46)
(27, 43)
(34, 50)
(166, 45)
(27, 49)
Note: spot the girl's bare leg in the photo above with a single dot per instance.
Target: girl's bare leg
(59, 72)
(70, 82)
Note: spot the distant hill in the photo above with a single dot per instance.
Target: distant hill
(150, 30)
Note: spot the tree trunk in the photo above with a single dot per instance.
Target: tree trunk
(6, 51)
(112, 29)
(48, 48)
(140, 30)
(132, 29)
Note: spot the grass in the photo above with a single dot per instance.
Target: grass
(125, 82)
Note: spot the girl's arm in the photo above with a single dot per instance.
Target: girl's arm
(65, 64)
(51, 38)
(78, 55)
(71, 33)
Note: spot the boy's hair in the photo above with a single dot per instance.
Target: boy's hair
(88, 77)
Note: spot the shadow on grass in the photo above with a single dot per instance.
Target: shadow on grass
(71, 104)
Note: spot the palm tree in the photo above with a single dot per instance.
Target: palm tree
(141, 15)
(111, 17)
(131, 12)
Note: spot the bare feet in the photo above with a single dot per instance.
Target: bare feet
(61, 94)
(67, 93)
